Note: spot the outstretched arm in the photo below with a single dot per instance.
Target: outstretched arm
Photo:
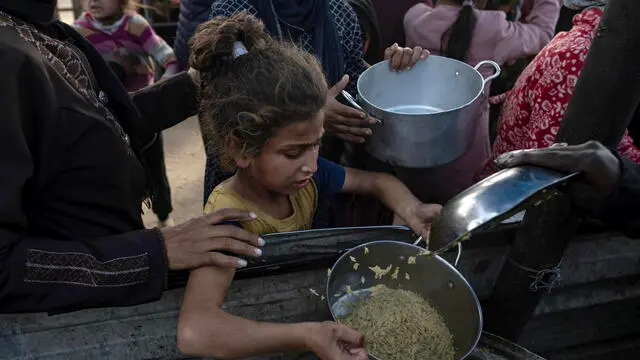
(204, 329)
(394, 194)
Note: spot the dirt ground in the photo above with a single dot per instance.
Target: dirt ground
(184, 155)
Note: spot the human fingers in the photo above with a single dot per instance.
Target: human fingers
(557, 158)
(345, 334)
(338, 87)
(233, 232)
(335, 108)
(388, 52)
(215, 258)
(224, 215)
(416, 55)
(350, 138)
(351, 130)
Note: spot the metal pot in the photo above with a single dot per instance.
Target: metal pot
(431, 277)
(426, 113)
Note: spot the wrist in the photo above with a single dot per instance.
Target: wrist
(305, 335)
(407, 209)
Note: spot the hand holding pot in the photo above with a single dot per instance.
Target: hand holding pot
(404, 58)
(344, 121)
(333, 341)
(599, 166)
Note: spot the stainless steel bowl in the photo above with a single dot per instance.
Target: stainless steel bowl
(492, 201)
(431, 277)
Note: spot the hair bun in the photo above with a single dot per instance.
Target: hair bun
(212, 47)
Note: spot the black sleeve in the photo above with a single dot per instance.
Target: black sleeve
(44, 274)
(623, 208)
(167, 102)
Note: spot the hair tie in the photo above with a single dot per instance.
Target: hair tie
(467, 3)
(239, 49)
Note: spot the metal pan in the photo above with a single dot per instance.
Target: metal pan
(432, 277)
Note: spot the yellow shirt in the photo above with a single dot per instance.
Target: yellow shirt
(304, 203)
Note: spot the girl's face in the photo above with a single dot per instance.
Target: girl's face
(288, 160)
(103, 9)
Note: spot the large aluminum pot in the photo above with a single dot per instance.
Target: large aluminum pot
(426, 113)
(431, 277)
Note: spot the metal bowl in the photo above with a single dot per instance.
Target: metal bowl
(492, 201)
(431, 277)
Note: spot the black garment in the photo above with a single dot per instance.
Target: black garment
(370, 29)
(118, 70)
(192, 14)
(287, 19)
(390, 17)
(623, 209)
(71, 234)
(153, 161)
(565, 21)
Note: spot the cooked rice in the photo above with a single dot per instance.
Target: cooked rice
(401, 325)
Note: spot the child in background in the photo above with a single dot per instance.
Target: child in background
(264, 102)
(126, 40)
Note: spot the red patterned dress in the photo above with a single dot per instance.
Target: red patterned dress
(533, 109)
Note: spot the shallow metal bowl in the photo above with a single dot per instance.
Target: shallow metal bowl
(431, 277)
(491, 201)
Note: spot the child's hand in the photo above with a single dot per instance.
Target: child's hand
(404, 58)
(420, 218)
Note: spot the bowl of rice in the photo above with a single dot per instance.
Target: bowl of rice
(408, 304)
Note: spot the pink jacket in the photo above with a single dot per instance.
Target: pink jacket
(494, 37)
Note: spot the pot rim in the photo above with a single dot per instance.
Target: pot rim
(346, 255)
(414, 115)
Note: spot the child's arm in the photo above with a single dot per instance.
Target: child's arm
(526, 38)
(206, 330)
(154, 45)
(394, 194)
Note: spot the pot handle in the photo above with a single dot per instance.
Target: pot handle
(495, 74)
(352, 101)
(458, 244)
(355, 104)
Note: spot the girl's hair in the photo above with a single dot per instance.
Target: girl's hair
(252, 96)
(458, 36)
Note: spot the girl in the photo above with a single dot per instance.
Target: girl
(126, 40)
(330, 30)
(454, 28)
(264, 101)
